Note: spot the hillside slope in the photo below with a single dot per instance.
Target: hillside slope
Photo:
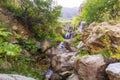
(69, 13)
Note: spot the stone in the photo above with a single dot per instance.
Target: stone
(97, 36)
(55, 76)
(61, 45)
(14, 27)
(82, 26)
(113, 71)
(14, 77)
(73, 77)
(68, 35)
(63, 62)
(45, 45)
(91, 67)
(6, 77)
(80, 45)
(48, 74)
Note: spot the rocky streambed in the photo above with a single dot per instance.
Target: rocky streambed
(66, 64)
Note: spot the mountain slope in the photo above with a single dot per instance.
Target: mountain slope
(69, 13)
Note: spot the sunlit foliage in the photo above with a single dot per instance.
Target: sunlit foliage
(100, 10)
(39, 16)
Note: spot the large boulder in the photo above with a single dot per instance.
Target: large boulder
(14, 77)
(63, 61)
(113, 71)
(98, 37)
(91, 67)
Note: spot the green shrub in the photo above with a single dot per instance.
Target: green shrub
(28, 44)
(78, 40)
(23, 66)
(43, 13)
(99, 10)
(7, 48)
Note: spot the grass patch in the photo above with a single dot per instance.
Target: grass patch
(24, 66)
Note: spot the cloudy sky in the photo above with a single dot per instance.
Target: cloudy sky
(70, 3)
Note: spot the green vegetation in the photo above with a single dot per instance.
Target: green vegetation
(99, 10)
(21, 64)
(40, 16)
(64, 20)
(6, 48)
(83, 53)
(77, 41)
(28, 44)
(41, 19)
(24, 66)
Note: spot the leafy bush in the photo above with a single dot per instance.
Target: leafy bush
(77, 41)
(38, 15)
(7, 48)
(23, 66)
(100, 10)
(28, 44)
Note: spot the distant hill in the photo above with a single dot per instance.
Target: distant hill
(69, 13)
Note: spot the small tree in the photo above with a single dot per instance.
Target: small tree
(40, 16)
(98, 10)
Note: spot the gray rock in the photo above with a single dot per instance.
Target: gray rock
(63, 62)
(81, 44)
(82, 26)
(14, 77)
(73, 77)
(91, 67)
(48, 74)
(113, 71)
(55, 76)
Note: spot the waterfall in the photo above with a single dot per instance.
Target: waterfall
(82, 26)
(67, 35)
